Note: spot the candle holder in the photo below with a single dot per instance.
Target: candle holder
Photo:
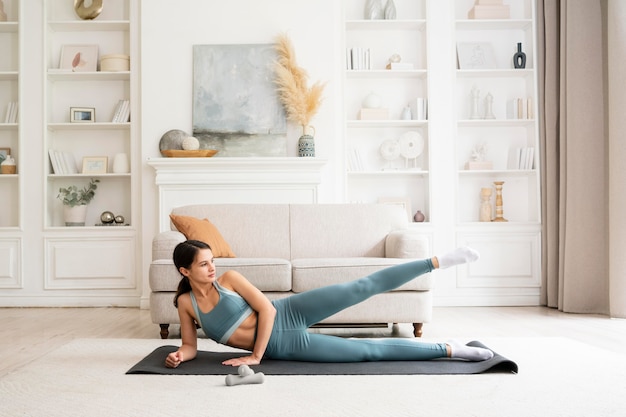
(485, 205)
(499, 206)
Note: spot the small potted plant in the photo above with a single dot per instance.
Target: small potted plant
(75, 202)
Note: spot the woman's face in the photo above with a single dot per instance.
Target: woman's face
(202, 269)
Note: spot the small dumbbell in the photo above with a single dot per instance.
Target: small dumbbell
(245, 376)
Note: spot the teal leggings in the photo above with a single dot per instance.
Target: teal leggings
(290, 339)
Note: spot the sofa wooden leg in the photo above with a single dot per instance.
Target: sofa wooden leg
(417, 329)
(165, 332)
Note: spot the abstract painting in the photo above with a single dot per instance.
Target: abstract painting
(235, 106)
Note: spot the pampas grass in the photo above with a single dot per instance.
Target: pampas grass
(300, 101)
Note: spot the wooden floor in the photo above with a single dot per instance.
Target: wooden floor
(28, 333)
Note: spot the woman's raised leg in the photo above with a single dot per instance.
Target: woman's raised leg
(314, 306)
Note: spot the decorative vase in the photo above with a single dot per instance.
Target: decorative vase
(390, 10)
(406, 113)
(374, 9)
(372, 101)
(88, 12)
(75, 216)
(519, 58)
(419, 216)
(306, 143)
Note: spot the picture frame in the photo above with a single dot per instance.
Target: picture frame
(95, 164)
(82, 115)
(405, 203)
(79, 58)
(3, 154)
(475, 55)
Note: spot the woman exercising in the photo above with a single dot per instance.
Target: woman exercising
(234, 312)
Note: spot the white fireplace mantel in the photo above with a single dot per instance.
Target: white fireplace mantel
(185, 181)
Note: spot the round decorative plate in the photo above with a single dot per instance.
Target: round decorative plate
(389, 149)
(411, 144)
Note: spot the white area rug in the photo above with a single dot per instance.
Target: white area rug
(86, 377)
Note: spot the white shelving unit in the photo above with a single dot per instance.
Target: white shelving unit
(513, 247)
(94, 244)
(371, 178)
(10, 142)
(9, 129)
(426, 33)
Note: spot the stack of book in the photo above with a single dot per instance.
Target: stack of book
(358, 59)
(11, 114)
(520, 108)
(522, 158)
(62, 162)
(122, 112)
(355, 163)
(489, 9)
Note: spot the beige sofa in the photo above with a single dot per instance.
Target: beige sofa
(289, 248)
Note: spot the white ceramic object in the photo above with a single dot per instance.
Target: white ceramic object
(191, 143)
(115, 62)
(411, 144)
(372, 101)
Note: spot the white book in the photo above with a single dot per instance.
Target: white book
(7, 116)
(117, 111)
(58, 155)
(70, 163)
(124, 112)
(54, 162)
(530, 158)
(16, 108)
(514, 158)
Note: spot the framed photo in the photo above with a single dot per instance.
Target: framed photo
(404, 203)
(476, 55)
(95, 165)
(3, 154)
(82, 115)
(79, 58)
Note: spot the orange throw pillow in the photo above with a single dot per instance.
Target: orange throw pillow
(205, 231)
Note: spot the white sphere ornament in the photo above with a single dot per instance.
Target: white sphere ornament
(372, 101)
(191, 144)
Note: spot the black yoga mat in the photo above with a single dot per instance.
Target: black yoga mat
(210, 363)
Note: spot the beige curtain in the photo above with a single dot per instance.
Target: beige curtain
(574, 135)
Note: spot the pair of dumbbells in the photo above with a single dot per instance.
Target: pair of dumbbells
(245, 376)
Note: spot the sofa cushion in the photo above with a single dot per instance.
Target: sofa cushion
(310, 273)
(267, 274)
(251, 230)
(203, 230)
(343, 230)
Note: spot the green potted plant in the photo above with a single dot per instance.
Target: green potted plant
(75, 202)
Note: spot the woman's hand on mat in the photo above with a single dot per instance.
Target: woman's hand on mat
(245, 360)
(174, 359)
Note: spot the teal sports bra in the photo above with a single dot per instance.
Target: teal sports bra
(222, 321)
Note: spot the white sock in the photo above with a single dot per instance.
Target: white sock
(457, 257)
(471, 353)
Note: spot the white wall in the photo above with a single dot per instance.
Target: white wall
(169, 29)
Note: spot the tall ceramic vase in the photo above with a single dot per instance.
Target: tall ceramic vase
(306, 143)
(75, 216)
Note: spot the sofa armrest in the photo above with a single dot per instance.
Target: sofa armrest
(164, 243)
(406, 244)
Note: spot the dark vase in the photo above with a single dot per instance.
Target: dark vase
(519, 59)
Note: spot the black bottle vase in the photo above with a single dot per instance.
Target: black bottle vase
(519, 58)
